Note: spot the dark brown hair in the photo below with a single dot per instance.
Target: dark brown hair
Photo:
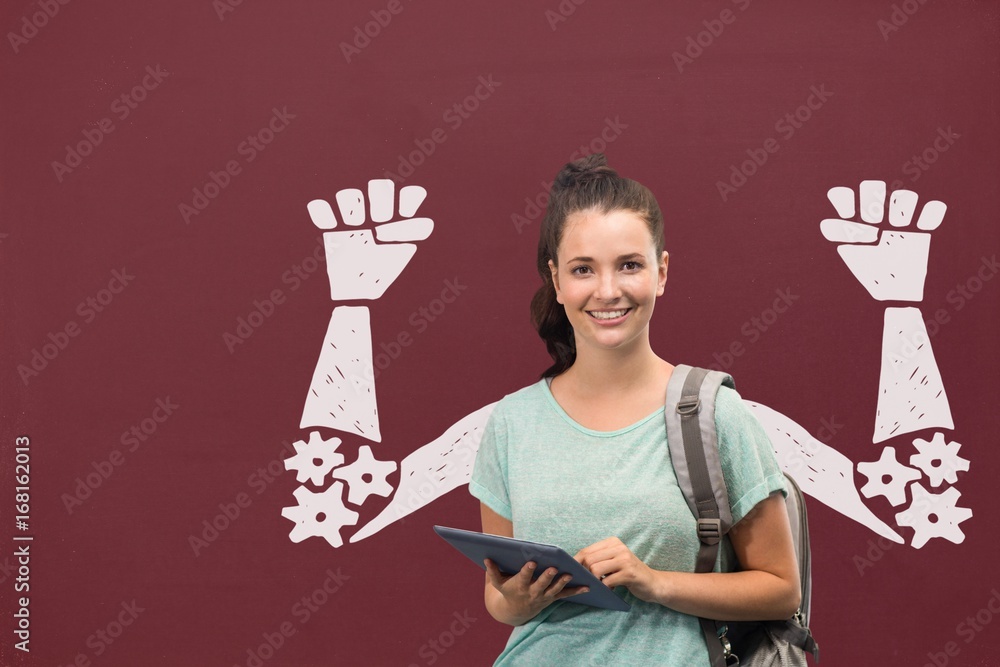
(582, 185)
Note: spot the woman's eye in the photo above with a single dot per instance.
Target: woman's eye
(631, 266)
(579, 270)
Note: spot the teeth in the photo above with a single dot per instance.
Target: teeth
(608, 314)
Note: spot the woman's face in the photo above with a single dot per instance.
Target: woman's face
(608, 277)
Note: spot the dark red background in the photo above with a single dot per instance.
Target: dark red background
(163, 335)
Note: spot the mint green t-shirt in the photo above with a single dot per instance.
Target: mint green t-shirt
(561, 483)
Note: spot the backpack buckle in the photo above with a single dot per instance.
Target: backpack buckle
(727, 648)
(710, 531)
(689, 405)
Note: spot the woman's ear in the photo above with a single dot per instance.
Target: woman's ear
(662, 273)
(555, 280)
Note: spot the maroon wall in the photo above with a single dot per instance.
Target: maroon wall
(901, 92)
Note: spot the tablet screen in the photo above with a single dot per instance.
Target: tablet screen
(511, 554)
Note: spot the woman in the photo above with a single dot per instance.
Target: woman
(580, 459)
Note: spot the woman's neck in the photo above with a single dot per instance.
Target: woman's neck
(602, 372)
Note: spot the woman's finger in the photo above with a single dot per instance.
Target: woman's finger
(602, 569)
(558, 585)
(541, 585)
(569, 592)
(525, 575)
(493, 572)
(596, 547)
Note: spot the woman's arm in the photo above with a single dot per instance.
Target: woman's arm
(516, 599)
(767, 587)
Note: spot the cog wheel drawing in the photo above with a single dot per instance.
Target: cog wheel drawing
(366, 476)
(898, 476)
(314, 459)
(320, 514)
(934, 515)
(939, 461)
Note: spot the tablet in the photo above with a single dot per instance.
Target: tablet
(510, 555)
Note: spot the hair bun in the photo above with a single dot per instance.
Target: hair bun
(589, 168)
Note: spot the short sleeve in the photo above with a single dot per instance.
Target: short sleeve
(489, 481)
(748, 462)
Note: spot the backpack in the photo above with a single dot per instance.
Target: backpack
(693, 444)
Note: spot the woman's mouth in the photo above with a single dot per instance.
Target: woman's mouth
(609, 316)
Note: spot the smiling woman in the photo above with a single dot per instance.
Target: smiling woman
(580, 459)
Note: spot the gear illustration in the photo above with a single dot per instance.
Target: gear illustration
(939, 461)
(366, 476)
(314, 459)
(934, 515)
(898, 476)
(320, 514)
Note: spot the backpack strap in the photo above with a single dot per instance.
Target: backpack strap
(694, 452)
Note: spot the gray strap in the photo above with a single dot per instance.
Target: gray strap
(675, 439)
(716, 654)
(706, 505)
(694, 447)
(691, 436)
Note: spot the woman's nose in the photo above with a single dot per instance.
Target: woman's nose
(609, 289)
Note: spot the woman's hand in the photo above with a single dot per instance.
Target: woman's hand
(524, 598)
(615, 564)
(767, 586)
(516, 599)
